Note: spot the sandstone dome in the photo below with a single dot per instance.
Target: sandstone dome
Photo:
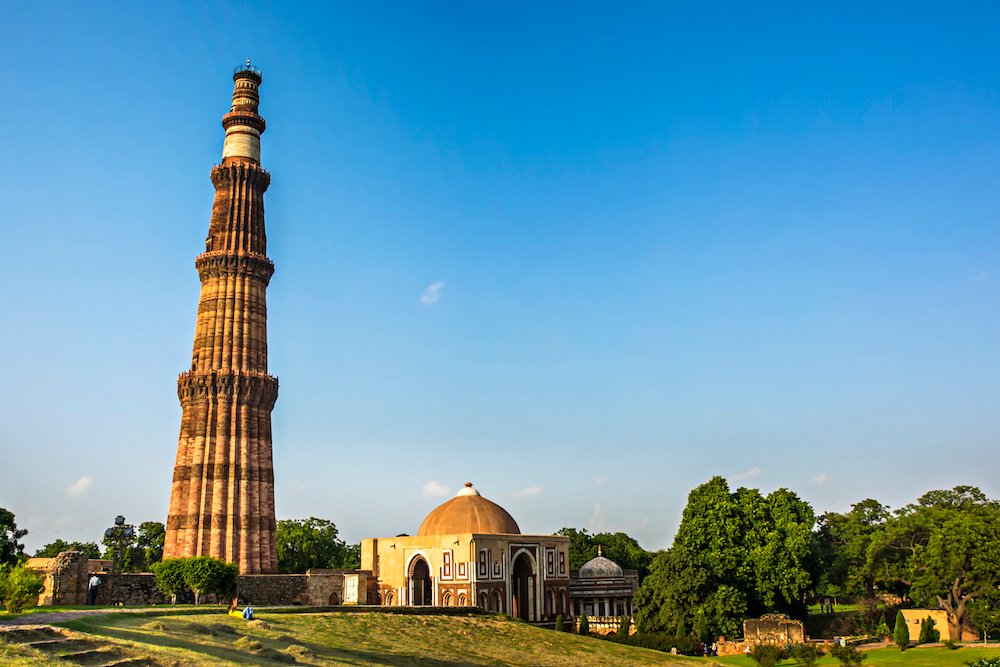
(600, 567)
(469, 512)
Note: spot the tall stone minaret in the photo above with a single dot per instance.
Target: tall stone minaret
(222, 500)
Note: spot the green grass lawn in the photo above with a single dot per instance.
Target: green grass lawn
(837, 608)
(926, 656)
(361, 639)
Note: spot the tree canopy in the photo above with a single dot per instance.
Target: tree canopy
(735, 554)
(53, 549)
(313, 544)
(943, 549)
(11, 550)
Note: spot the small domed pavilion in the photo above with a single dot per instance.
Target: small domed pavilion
(603, 589)
(470, 552)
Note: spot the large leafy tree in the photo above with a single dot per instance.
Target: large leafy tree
(53, 549)
(945, 548)
(151, 537)
(619, 547)
(736, 553)
(313, 543)
(11, 550)
(841, 543)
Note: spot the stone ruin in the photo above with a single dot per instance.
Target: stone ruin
(776, 629)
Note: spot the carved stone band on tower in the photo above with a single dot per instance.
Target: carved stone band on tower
(222, 498)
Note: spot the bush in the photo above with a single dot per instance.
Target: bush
(18, 587)
(951, 644)
(584, 627)
(170, 576)
(928, 635)
(767, 655)
(560, 627)
(624, 626)
(983, 662)
(205, 574)
(849, 656)
(901, 634)
(807, 654)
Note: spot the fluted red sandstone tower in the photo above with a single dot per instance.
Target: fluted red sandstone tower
(222, 500)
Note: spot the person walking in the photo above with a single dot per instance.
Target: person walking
(92, 588)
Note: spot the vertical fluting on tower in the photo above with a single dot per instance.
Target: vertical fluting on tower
(222, 498)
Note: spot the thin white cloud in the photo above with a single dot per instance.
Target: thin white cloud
(749, 474)
(600, 480)
(434, 489)
(598, 520)
(981, 277)
(819, 479)
(79, 487)
(529, 492)
(432, 293)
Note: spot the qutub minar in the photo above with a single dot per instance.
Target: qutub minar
(222, 499)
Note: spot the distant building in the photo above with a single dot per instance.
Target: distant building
(601, 588)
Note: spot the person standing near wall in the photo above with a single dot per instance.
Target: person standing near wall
(92, 588)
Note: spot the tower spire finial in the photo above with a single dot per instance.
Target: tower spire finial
(248, 62)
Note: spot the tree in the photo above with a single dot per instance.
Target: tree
(170, 576)
(18, 587)
(928, 635)
(736, 554)
(841, 544)
(766, 655)
(560, 624)
(584, 628)
(151, 538)
(11, 550)
(901, 633)
(53, 549)
(624, 625)
(984, 612)
(312, 544)
(204, 574)
(945, 548)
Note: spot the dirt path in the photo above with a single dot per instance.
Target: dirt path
(63, 616)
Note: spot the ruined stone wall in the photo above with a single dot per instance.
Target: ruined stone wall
(773, 629)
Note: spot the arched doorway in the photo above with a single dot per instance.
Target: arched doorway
(523, 588)
(495, 603)
(334, 600)
(420, 582)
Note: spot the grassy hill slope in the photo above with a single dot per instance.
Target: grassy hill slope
(355, 639)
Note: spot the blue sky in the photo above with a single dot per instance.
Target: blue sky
(668, 242)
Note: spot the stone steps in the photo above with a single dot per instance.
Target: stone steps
(74, 648)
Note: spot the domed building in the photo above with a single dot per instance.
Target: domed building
(470, 552)
(602, 589)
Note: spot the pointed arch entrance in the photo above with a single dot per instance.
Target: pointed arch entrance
(421, 589)
(523, 587)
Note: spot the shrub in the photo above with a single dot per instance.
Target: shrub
(983, 662)
(901, 634)
(560, 627)
(807, 654)
(766, 655)
(701, 628)
(624, 626)
(584, 628)
(849, 656)
(205, 574)
(928, 635)
(951, 644)
(170, 576)
(18, 587)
